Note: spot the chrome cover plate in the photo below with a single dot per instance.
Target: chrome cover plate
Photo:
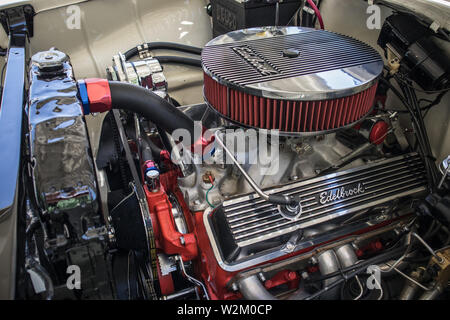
(247, 222)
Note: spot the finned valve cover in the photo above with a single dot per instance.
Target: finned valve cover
(245, 227)
(296, 80)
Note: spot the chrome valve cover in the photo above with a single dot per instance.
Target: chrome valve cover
(245, 227)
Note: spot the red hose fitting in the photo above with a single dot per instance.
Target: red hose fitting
(99, 94)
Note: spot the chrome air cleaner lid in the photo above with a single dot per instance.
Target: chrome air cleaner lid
(261, 61)
(296, 80)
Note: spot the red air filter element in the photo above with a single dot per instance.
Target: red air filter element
(296, 80)
(286, 115)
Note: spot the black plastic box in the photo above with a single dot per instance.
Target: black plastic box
(421, 59)
(229, 15)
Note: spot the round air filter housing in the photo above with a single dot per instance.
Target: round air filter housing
(296, 80)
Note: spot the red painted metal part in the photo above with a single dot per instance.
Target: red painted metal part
(203, 145)
(370, 248)
(216, 279)
(99, 94)
(168, 239)
(197, 246)
(291, 278)
(285, 115)
(378, 132)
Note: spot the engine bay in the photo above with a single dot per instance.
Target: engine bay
(292, 180)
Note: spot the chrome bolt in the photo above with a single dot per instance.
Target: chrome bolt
(261, 277)
(290, 246)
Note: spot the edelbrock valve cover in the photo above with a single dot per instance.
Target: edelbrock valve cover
(247, 225)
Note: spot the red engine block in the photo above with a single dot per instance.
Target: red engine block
(195, 245)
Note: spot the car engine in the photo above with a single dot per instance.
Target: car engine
(291, 181)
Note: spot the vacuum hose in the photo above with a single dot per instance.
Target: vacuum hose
(164, 45)
(180, 60)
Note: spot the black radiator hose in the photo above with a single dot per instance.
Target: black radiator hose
(151, 106)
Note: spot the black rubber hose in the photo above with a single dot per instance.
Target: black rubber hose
(155, 149)
(142, 101)
(424, 142)
(179, 60)
(165, 139)
(165, 45)
(419, 133)
(150, 151)
(283, 200)
(147, 152)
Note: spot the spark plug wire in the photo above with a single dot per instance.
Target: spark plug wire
(316, 12)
